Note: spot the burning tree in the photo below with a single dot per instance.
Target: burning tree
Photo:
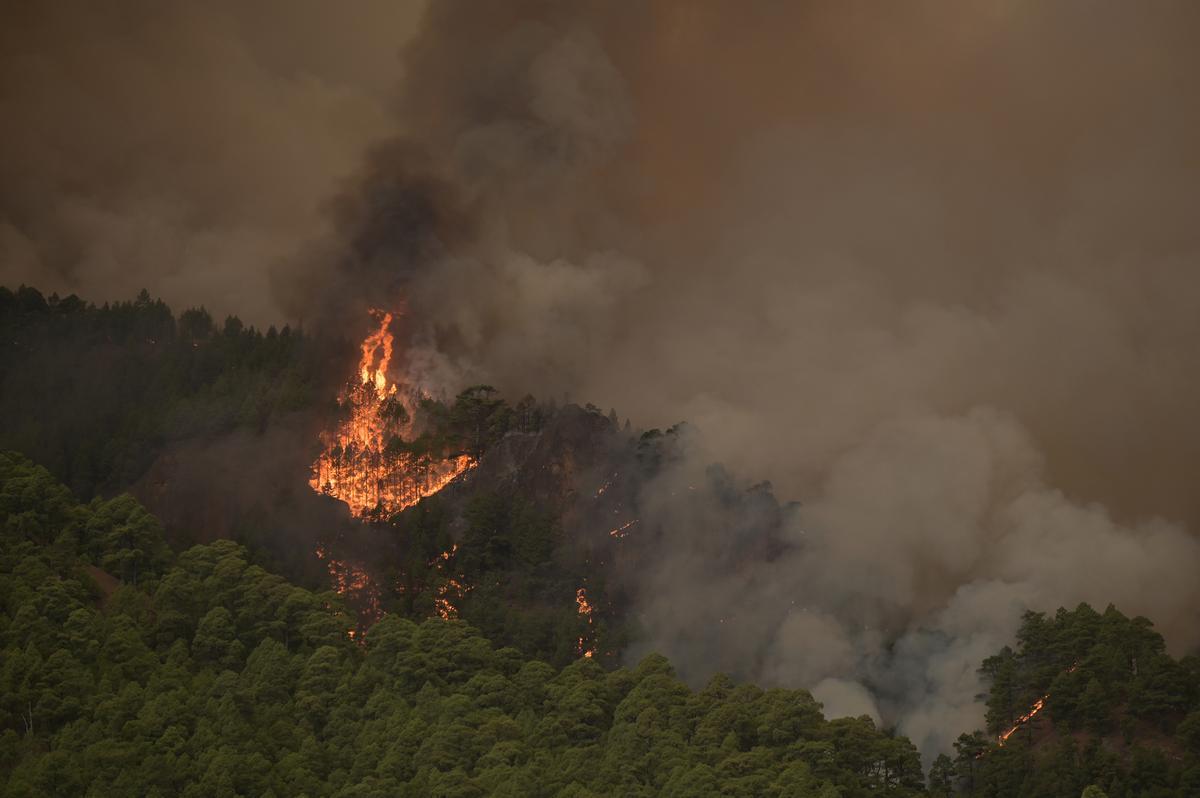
(374, 461)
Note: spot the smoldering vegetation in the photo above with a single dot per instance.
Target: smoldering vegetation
(929, 269)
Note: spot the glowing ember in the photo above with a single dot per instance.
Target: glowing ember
(607, 484)
(451, 590)
(585, 610)
(355, 585)
(443, 602)
(622, 530)
(366, 463)
(445, 555)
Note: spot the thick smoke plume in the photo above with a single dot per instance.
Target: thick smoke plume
(182, 147)
(931, 268)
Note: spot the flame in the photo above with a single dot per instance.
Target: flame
(355, 584)
(621, 531)
(1021, 721)
(1028, 716)
(445, 556)
(443, 602)
(367, 463)
(585, 610)
(451, 590)
(364, 463)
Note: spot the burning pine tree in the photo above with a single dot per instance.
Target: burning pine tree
(373, 461)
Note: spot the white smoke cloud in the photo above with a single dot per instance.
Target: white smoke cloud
(912, 563)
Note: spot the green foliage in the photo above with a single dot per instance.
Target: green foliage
(1114, 699)
(941, 777)
(95, 392)
(473, 423)
(478, 418)
(212, 677)
(505, 576)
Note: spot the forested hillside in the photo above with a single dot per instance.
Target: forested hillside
(94, 393)
(203, 675)
(471, 643)
(215, 427)
(1111, 709)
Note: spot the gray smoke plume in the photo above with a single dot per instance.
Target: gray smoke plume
(181, 147)
(930, 268)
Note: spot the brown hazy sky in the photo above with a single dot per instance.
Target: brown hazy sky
(932, 268)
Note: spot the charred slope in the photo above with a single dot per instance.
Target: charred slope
(542, 544)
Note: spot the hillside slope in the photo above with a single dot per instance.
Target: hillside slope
(204, 675)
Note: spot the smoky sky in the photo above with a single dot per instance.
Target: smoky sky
(179, 147)
(930, 268)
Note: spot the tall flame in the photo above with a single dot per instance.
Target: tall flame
(366, 462)
(369, 463)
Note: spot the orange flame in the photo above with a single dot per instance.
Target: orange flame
(1028, 716)
(622, 530)
(368, 463)
(449, 591)
(365, 462)
(355, 584)
(585, 610)
(1021, 721)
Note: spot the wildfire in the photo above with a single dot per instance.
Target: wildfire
(622, 530)
(355, 584)
(1021, 721)
(450, 590)
(1028, 716)
(443, 602)
(445, 555)
(368, 462)
(585, 610)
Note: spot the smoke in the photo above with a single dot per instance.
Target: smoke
(931, 269)
(182, 148)
(912, 562)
